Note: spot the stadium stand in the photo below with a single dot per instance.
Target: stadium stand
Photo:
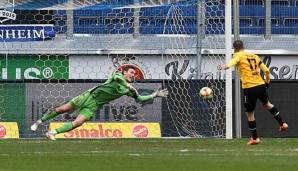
(116, 17)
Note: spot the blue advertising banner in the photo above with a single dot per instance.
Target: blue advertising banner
(24, 33)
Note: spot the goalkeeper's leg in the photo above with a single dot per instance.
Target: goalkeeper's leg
(85, 115)
(52, 113)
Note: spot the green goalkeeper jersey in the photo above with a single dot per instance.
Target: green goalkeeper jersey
(114, 88)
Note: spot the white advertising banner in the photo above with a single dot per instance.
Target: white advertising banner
(153, 66)
(282, 67)
(156, 67)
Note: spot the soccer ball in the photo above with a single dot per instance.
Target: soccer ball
(206, 93)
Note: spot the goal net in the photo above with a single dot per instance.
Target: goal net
(54, 50)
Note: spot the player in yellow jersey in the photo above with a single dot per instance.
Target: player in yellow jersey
(254, 87)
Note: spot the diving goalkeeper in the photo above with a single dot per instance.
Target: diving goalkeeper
(117, 85)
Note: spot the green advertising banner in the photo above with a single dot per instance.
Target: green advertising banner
(18, 67)
(12, 103)
(13, 95)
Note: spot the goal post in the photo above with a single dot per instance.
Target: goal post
(228, 48)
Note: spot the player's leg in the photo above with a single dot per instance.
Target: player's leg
(73, 104)
(68, 126)
(250, 100)
(253, 129)
(52, 113)
(276, 115)
(86, 113)
(272, 109)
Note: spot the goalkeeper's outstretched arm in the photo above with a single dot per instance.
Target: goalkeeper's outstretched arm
(158, 93)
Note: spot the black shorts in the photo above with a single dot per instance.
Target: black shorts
(251, 95)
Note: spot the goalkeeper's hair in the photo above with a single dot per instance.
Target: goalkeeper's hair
(126, 68)
(238, 45)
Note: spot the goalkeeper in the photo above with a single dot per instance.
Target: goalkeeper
(117, 85)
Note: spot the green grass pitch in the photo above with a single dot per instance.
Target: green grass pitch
(273, 154)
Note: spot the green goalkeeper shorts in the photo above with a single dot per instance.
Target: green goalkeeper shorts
(85, 103)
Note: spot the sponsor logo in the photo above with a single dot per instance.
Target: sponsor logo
(182, 69)
(120, 65)
(22, 33)
(281, 71)
(2, 131)
(34, 67)
(140, 75)
(111, 130)
(9, 130)
(29, 73)
(99, 132)
(140, 131)
(7, 11)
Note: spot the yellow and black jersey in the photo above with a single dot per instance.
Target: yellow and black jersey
(248, 66)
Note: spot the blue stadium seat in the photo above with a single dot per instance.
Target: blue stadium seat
(252, 30)
(245, 22)
(153, 19)
(284, 11)
(36, 4)
(151, 30)
(188, 10)
(251, 11)
(274, 22)
(279, 30)
(254, 2)
(280, 3)
(249, 25)
(291, 22)
(155, 11)
(287, 26)
(60, 13)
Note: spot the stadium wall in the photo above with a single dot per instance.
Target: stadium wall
(77, 73)
(283, 94)
(281, 66)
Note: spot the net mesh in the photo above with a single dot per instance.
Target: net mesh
(191, 115)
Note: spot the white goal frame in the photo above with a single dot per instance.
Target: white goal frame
(228, 54)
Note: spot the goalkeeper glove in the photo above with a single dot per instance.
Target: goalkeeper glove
(160, 93)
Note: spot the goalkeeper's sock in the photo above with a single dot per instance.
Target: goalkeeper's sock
(38, 122)
(252, 126)
(35, 125)
(65, 128)
(54, 132)
(274, 111)
(51, 113)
